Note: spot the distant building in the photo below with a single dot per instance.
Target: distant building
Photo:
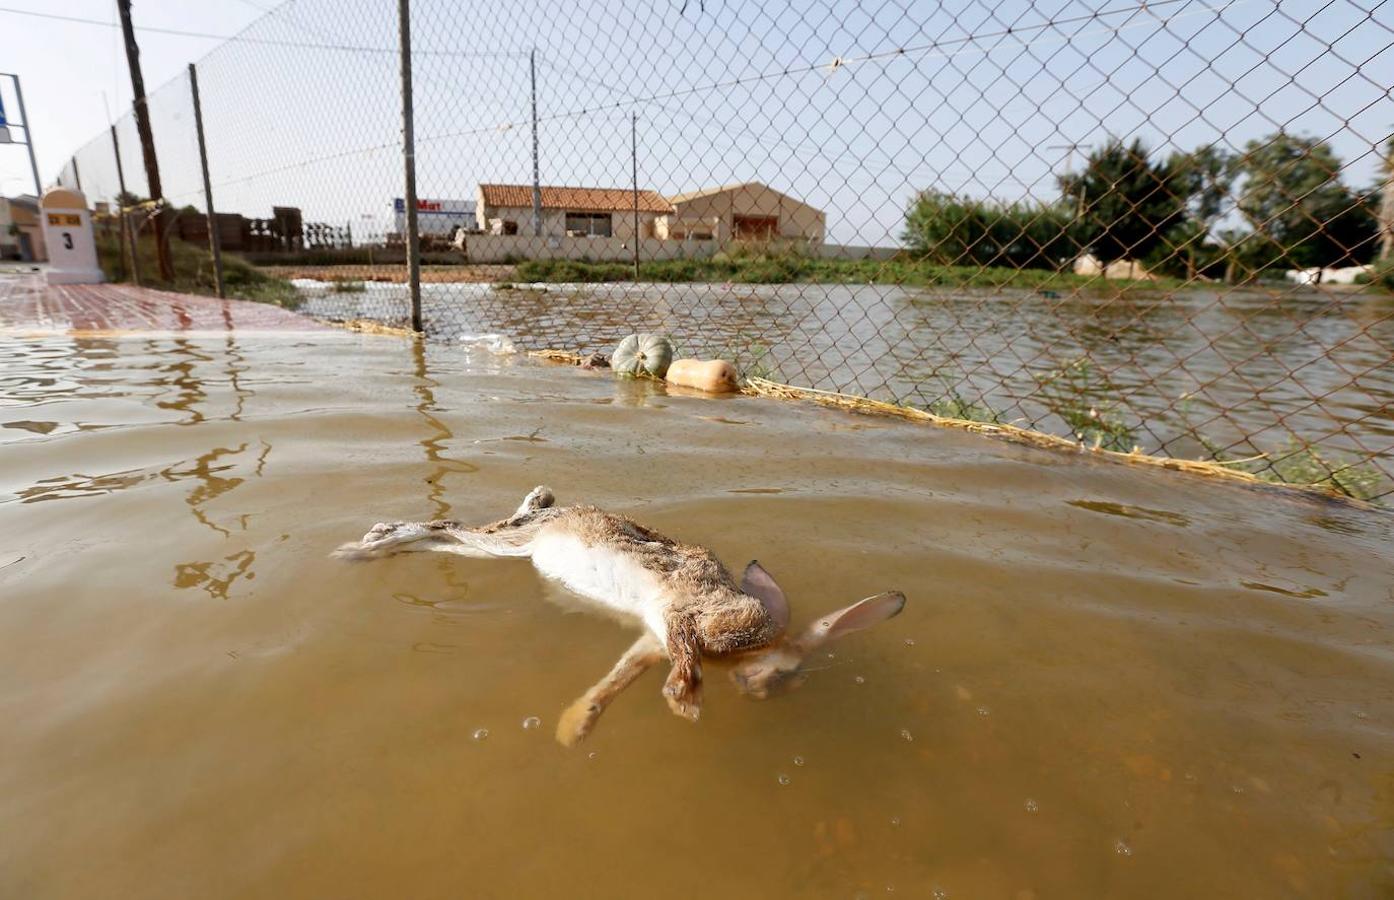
(750, 211)
(21, 237)
(435, 217)
(569, 211)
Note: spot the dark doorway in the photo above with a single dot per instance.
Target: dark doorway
(755, 228)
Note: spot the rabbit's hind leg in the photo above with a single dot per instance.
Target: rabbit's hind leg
(389, 538)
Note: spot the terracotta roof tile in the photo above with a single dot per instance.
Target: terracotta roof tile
(574, 198)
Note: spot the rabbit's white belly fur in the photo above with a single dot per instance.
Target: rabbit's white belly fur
(605, 577)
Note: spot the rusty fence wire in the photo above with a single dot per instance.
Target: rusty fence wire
(1163, 226)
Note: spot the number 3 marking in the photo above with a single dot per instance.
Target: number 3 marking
(67, 240)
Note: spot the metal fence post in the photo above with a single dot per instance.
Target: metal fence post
(536, 168)
(409, 163)
(634, 158)
(215, 244)
(129, 237)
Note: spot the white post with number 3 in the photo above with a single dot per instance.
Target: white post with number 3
(72, 252)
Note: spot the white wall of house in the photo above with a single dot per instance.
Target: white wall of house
(675, 227)
(11, 246)
(554, 221)
(497, 248)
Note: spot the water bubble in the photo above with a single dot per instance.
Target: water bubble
(532, 722)
(480, 734)
(906, 735)
(890, 889)
(939, 894)
(798, 760)
(984, 711)
(909, 642)
(1121, 848)
(783, 779)
(1237, 789)
(1031, 805)
(832, 655)
(592, 755)
(859, 680)
(895, 821)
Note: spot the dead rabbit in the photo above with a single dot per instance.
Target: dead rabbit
(687, 603)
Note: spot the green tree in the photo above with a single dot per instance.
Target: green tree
(961, 231)
(1205, 177)
(1127, 203)
(1300, 213)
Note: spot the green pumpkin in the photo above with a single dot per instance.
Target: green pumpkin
(643, 354)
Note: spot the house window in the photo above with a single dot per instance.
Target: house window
(510, 226)
(588, 225)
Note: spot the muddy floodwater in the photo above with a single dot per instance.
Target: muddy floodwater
(1185, 372)
(1108, 681)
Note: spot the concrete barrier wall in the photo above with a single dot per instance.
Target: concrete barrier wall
(498, 248)
(851, 251)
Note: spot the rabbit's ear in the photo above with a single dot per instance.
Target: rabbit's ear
(862, 614)
(760, 584)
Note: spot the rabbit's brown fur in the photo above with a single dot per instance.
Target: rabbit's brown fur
(688, 602)
(702, 597)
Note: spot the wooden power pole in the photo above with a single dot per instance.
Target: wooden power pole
(1386, 207)
(147, 140)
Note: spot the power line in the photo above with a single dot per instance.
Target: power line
(270, 42)
(592, 112)
(883, 56)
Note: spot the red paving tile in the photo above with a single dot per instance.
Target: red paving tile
(26, 302)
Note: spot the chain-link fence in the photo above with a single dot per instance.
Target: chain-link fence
(1161, 225)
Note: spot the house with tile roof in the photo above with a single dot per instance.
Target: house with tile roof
(568, 211)
(750, 211)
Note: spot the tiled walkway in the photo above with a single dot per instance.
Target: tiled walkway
(27, 303)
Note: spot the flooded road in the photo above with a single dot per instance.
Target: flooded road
(1238, 371)
(1108, 681)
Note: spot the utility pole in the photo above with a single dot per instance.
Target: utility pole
(409, 164)
(128, 239)
(536, 169)
(1386, 206)
(1069, 170)
(634, 157)
(215, 242)
(147, 140)
(128, 236)
(28, 135)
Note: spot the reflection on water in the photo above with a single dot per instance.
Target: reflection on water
(1107, 682)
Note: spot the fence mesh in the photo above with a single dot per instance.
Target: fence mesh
(1159, 225)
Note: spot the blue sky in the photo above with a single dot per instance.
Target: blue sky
(812, 98)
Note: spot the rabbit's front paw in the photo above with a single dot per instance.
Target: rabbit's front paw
(577, 722)
(684, 696)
